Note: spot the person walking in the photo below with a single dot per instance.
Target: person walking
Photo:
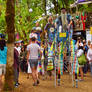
(16, 66)
(3, 60)
(32, 57)
(89, 57)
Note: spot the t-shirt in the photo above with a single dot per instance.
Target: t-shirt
(34, 50)
(3, 56)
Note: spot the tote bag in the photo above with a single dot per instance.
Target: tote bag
(82, 59)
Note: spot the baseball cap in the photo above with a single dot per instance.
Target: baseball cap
(33, 35)
(38, 28)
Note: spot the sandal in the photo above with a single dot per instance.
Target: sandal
(38, 82)
(35, 84)
(81, 80)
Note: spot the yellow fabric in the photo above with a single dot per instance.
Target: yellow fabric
(62, 35)
(50, 65)
(91, 30)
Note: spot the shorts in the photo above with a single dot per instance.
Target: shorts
(2, 69)
(33, 63)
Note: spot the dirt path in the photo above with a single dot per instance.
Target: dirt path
(48, 85)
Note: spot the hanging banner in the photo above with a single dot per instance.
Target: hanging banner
(50, 64)
(75, 69)
(79, 1)
(51, 42)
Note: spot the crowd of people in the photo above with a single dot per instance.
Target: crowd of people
(33, 57)
(84, 52)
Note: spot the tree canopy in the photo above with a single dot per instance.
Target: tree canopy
(29, 11)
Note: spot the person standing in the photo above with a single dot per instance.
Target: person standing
(32, 58)
(89, 43)
(23, 58)
(89, 57)
(79, 54)
(39, 33)
(16, 66)
(50, 36)
(3, 60)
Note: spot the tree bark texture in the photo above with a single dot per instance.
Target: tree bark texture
(9, 77)
(10, 14)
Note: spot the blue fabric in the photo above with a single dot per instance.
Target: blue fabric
(51, 35)
(69, 17)
(3, 56)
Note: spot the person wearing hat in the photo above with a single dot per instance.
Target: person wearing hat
(89, 57)
(64, 20)
(32, 57)
(85, 48)
(37, 30)
(79, 53)
(78, 43)
(17, 47)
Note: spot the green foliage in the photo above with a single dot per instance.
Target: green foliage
(2, 17)
(24, 20)
(85, 7)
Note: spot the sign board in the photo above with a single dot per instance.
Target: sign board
(62, 35)
(88, 36)
(91, 30)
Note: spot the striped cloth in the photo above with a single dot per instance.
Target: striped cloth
(74, 58)
(50, 56)
(60, 61)
(75, 69)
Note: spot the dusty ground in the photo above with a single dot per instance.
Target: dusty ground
(48, 85)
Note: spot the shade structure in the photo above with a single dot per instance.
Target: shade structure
(80, 2)
(84, 1)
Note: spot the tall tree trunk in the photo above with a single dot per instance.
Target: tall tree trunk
(44, 6)
(29, 4)
(10, 14)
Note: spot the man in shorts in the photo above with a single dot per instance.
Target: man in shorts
(32, 57)
(3, 60)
